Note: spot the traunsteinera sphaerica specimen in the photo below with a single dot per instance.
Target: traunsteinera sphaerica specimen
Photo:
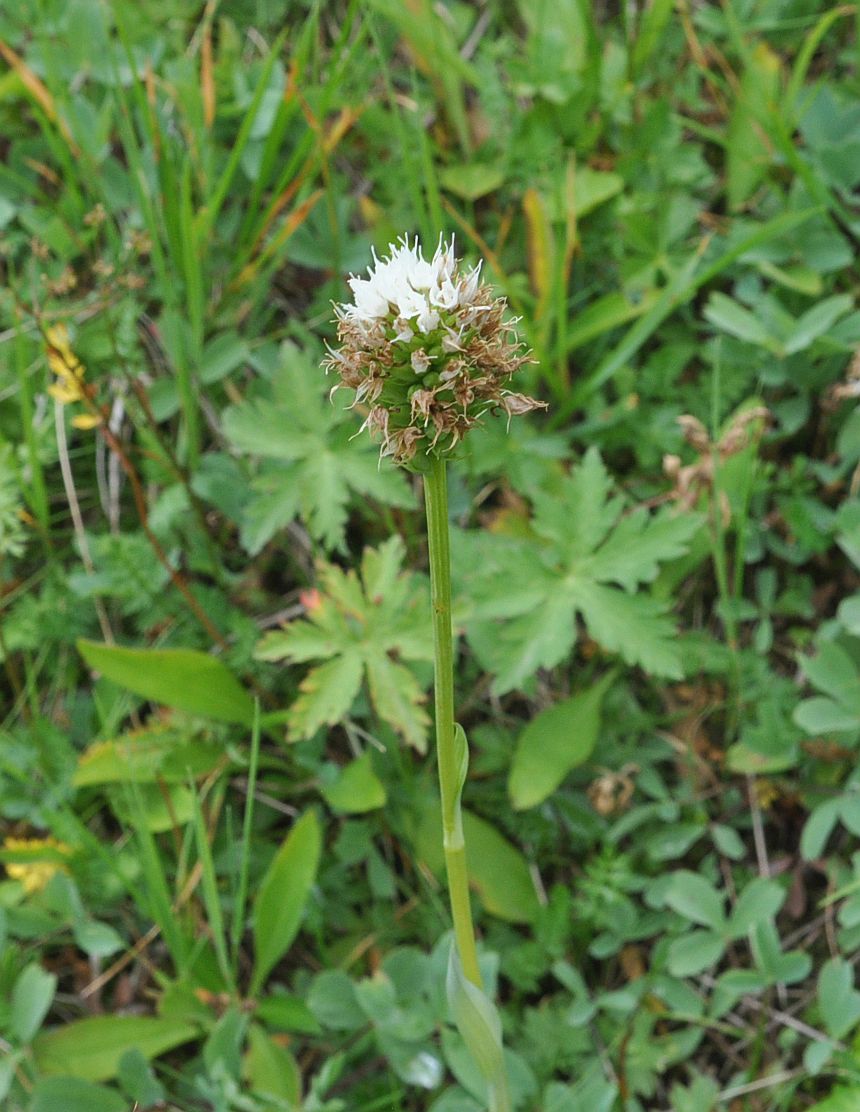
(427, 349)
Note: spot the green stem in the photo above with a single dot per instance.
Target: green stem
(436, 499)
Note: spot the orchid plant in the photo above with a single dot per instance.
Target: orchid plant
(427, 350)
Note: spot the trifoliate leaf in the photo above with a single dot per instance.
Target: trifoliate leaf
(362, 628)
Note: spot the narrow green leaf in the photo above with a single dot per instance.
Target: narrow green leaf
(479, 1025)
(282, 897)
(183, 678)
(454, 821)
(747, 152)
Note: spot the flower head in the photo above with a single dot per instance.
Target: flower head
(69, 386)
(425, 346)
(39, 860)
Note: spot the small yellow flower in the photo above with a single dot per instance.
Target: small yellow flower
(70, 371)
(41, 863)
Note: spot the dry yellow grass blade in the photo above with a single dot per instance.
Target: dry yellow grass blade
(329, 141)
(39, 91)
(296, 218)
(207, 78)
(540, 248)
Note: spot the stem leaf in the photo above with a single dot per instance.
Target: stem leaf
(477, 1020)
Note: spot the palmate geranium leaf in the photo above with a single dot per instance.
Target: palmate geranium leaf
(361, 630)
(312, 465)
(582, 557)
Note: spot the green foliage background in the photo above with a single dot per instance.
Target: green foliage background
(223, 867)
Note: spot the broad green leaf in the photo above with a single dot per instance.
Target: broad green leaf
(817, 321)
(577, 518)
(138, 1080)
(823, 716)
(639, 543)
(779, 968)
(71, 1094)
(32, 995)
(223, 354)
(326, 694)
(472, 180)
(761, 899)
(592, 188)
(333, 1002)
(696, 899)
(557, 740)
(183, 678)
(731, 317)
(479, 1025)
(357, 788)
(8, 1067)
(398, 698)
(97, 940)
(270, 1069)
(362, 627)
(159, 806)
(593, 1092)
(694, 952)
(282, 896)
(542, 580)
(91, 1048)
(846, 1098)
(728, 841)
(321, 466)
(834, 672)
(838, 1000)
(144, 756)
(275, 502)
(497, 871)
(635, 626)
(541, 638)
(283, 1012)
(818, 828)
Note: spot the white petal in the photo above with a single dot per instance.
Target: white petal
(369, 302)
(428, 319)
(445, 295)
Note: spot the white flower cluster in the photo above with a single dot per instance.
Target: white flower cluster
(407, 286)
(427, 348)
